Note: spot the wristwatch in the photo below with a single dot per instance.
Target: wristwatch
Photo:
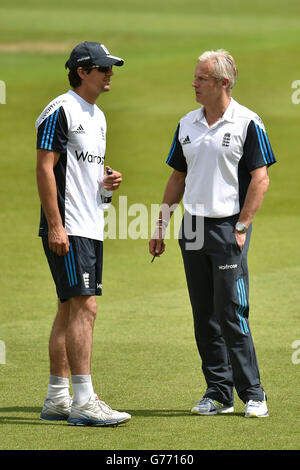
(240, 227)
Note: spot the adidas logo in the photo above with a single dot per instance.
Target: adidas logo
(226, 140)
(186, 140)
(79, 130)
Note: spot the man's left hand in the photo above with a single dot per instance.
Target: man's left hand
(240, 239)
(113, 181)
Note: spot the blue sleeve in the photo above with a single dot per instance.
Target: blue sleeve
(257, 148)
(176, 159)
(52, 134)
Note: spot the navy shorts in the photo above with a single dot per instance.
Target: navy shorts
(80, 271)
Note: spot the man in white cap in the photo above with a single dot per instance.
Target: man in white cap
(71, 143)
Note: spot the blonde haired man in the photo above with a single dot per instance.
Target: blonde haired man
(220, 155)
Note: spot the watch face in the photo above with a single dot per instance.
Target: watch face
(240, 227)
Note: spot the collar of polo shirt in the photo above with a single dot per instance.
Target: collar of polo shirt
(227, 116)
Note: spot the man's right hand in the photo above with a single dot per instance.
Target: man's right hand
(58, 240)
(156, 244)
(172, 196)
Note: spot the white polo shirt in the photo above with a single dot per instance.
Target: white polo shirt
(76, 129)
(218, 159)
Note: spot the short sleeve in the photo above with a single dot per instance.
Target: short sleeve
(257, 148)
(176, 158)
(52, 133)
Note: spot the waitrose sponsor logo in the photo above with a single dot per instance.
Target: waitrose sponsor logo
(89, 157)
(227, 266)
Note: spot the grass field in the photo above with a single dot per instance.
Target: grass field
(144, 358)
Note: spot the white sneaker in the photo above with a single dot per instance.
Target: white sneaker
(207, 406)
(96, 413)
(56, 411)
(256, 409)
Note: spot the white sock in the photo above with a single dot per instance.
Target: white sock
(82, 389)
(58, 388)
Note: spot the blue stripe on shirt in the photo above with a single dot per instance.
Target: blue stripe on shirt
(265, 146)
(261, 144)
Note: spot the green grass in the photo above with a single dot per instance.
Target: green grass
(144, 358)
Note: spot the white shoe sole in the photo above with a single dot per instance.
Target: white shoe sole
(78, 418)
(94, 422)
(253, 415)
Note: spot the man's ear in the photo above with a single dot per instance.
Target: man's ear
(225, 83)
(81, 72)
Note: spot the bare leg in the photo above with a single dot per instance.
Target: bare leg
(79, 333)
(70, 345)
(59, 364)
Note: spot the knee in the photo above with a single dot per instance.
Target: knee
(85, 307)
(91, 307)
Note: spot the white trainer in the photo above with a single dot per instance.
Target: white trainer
(96, 413)
(56, 411)
(256, 409)
(207, 406)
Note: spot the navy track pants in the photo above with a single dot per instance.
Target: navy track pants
(218, 285)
